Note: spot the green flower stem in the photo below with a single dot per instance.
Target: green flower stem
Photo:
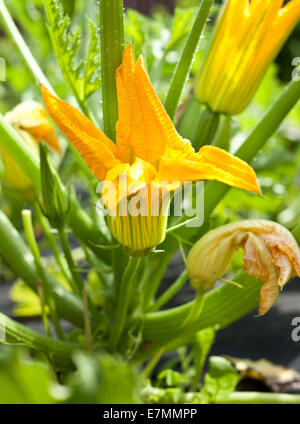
(194, 313)
(223, 134)
(168, 294)
(51, 241)
(222, 307)
(22, 48)
(44, 293)
(205, 128)
(76, 282)
(17, 255)
(183, 66)
(58, 352)
(41, 283)
(125, 291)
(151, 364)
(112, 45)
(87, 323)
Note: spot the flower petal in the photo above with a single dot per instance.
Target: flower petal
(143, 122)
(97, 150)
(210, 163)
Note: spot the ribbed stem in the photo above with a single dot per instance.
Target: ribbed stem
(168, 294)
(112, 45)
(123, 301)
(57, 351)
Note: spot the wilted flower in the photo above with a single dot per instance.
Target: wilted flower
(271, 255)
(148, 150)
(246, 40)
(31, 122)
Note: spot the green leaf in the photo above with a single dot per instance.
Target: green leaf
(103, 379)
(220, 380)
(69, 6)
(83, 75)
(23, 381)
(203, 341)
(170, 378)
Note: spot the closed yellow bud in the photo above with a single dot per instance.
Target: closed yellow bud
(247, 38)
(31, 122)
(271, 255)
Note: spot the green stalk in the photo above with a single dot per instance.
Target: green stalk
(125, 290)
(194, 313)
(222, 307)
(205, 128)
(41, 282)
(183, 66)
(112, 45)
(76, 281)
(51, 241)
(22, 48)
(168, 294)
(57, 351)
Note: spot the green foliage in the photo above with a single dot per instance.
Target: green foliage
(97, 379)
(83, 75)
(103, 379)
(220, 380)
(21, 380)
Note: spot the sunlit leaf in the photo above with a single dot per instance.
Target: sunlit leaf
(82, 74)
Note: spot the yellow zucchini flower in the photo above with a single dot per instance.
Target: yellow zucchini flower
(31, 122)
(247, 38)
(271, 255)
(148, 152)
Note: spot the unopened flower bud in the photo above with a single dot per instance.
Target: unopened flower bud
(53, 204)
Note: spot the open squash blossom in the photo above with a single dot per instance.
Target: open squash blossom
(247, 38)
(271, 255)
(148, 152)
(31, 122)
